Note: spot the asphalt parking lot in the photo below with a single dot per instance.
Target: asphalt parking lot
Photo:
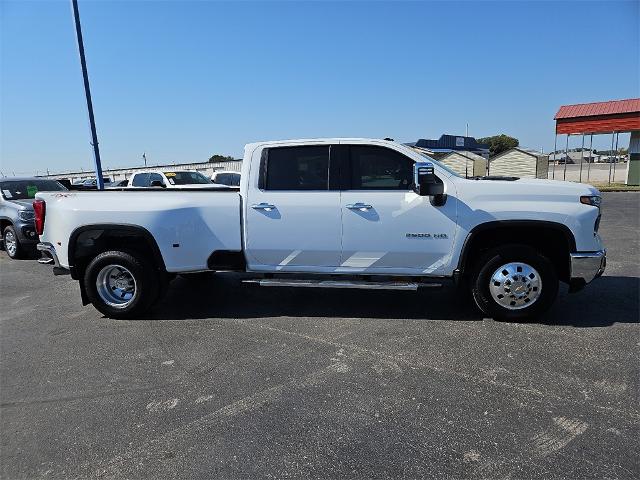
(229, 381)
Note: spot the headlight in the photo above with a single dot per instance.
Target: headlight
(26, 215)
(593, 200)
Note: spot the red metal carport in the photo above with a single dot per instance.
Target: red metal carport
(615, 117)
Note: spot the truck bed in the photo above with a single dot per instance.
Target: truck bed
(187, 224)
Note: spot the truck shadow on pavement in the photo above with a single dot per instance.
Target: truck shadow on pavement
(607, 301)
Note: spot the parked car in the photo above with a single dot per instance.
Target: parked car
(169, 179)
(65, 182)
(333, 213)
(118, 184)
(89, 184)
(230, 179)
(17, 230)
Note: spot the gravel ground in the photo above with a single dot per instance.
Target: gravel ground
(598, 173)
(228, 381)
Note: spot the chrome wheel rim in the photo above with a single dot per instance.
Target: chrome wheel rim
(515, 285)
(116, 286)
(10, 243)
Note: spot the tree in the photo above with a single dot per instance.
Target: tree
(220, 158)
(499, 143)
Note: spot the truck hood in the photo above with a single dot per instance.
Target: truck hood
(581, 188)
(25, 204)
(537, 185)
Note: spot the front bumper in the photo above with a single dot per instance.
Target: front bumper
(28, 234)
(51, 250)
(586, 266)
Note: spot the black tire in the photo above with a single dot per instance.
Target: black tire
(147, 284)
(492, 260)
(16, 252)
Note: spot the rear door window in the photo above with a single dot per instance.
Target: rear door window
(140, 180)
(297, 168)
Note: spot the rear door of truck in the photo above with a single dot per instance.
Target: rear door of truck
(293, 220)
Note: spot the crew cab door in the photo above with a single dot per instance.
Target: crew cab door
(387, 227)
(292, 213)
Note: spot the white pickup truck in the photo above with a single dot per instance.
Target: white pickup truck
(336, 213)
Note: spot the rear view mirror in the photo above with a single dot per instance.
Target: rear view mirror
(158, 183)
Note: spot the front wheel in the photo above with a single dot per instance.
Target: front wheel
(514, 283)
(11, 243)
(121, 284)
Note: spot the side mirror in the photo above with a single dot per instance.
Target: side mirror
(426, 183)
(425, 180)
(158, 183)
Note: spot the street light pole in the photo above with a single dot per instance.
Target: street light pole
(87, 92)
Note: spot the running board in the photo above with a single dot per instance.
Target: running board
(278, 282)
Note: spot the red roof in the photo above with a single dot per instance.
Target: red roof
(631, 105)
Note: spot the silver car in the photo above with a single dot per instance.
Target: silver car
(17, 227)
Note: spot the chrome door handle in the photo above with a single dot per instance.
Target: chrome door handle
(263, 206)
(363, 207)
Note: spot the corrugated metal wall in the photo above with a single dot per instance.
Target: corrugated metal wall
(599, 124)
(463, 165)
(514, 164)
(542, 168)
(480, 167)
(457, 163)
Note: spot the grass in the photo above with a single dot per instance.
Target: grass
(616, 187)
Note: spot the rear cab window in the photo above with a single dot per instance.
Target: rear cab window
(186, 178)
(140, 180)
(156, 177)
(296, 168)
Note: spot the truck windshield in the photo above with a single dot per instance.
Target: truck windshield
(186, 178)
(25, 189)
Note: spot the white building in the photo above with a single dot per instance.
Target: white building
(519, 162)
(467, 164)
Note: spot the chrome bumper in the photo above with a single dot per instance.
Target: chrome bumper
(586, 266)
(51, 250)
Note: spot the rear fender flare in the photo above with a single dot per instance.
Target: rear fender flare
(135, 230)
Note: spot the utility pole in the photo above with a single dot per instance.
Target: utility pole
(87, 92)
(144, 156)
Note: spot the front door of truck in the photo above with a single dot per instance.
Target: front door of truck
(292, 211)
(387, 227)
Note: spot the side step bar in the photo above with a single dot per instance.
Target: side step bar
(278, 282)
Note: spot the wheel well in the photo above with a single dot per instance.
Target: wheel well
(87, 242)
(4, 224)
(554, 242)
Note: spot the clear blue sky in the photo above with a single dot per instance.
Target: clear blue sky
(185, 80)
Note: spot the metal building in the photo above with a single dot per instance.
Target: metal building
(598, 118)
(518, 162)
(449, 143)
(467, 164)
(117, 174)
